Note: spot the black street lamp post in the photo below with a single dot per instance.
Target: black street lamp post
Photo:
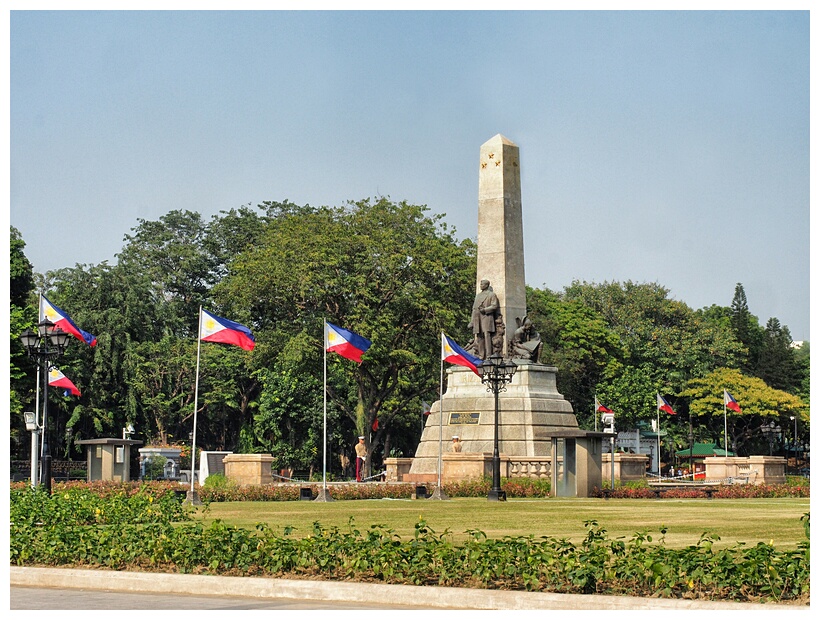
(772, 432)
(691, 446)
(496, 373)
(45, 346)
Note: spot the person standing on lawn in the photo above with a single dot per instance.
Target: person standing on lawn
(361, 457)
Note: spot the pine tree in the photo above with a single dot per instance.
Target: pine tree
(777, 364)
(747, 330)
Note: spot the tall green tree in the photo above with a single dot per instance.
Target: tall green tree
(777, 364)
(151, 296)
(747, 330)
(662, 343)
(385, 270)
(162, 378)
(803, 361)
(656, 329)
(761, 408)
(577, 340)
(171, 252)
(119, 305)
(21, 317)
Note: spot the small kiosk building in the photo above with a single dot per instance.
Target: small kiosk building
(109, 458)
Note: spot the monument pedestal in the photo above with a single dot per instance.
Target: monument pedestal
(249, 468)
(538, 434)
(530, 412)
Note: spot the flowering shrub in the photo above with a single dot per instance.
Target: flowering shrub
(107, 488)
(515, 488)
(226, 491)
(732, 491)
(739, 491)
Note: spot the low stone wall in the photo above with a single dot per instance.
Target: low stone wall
(470, 465)
(628, 467)
(397, 468)
(746, 470)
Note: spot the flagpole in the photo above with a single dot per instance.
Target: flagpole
(37, 451)
(37, 403)
(440, 411)
(323, 495)
(438, 493)
(324, 411)
(192, 497)
(595, 411)
(725, 428)
(658, 436)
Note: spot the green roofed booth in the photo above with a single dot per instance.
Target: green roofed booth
(697, 455)
(109, 458)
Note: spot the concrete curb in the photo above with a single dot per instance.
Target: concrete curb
(350, 592)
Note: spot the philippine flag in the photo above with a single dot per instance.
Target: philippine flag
(346, 343)
(600, 408)
(60, 319)
(663, 405)
(454, 354)
(730, 402)
(216, 329)
(57, 379)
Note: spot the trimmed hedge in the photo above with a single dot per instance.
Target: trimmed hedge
(733, 491)
(515, 488)
(230, 492)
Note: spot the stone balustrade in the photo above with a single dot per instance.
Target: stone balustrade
(470, 465)
(538, 467)
(748, 469)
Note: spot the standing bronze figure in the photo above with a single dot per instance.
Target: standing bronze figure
(482, 321)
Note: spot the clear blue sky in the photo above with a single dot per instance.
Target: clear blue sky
(668, 147)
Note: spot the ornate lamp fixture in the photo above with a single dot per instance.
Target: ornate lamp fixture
(46, 345)
(496, 372)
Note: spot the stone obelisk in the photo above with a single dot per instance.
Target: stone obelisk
(500, 230)
(531, 410)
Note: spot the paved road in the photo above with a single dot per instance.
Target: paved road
(73, 598)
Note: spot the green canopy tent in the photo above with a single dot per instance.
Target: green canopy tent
(698, 453)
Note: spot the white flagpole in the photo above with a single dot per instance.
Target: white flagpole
(658, 436)
(725, 428)
(37, 403)
(192, 494)
(595, 411)
(324, 396)
(36, 452)
(440, 409)
(439, 494)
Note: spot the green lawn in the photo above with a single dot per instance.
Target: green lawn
(747, 520)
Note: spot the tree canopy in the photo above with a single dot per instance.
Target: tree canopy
(397, 275)
(387, 271)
